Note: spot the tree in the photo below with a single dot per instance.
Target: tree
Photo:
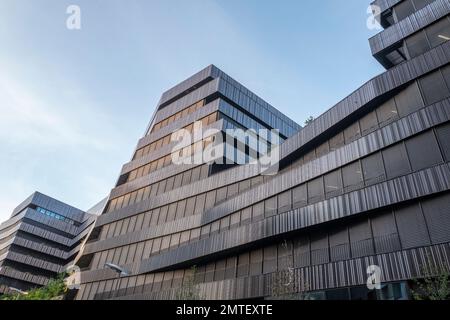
(434, 285)
(309, 120)
(54, 290)
(189, 290)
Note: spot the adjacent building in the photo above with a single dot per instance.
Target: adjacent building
(39, 241)
(364, 185)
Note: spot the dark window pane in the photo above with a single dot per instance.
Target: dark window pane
(409, 100)
(333, 184)
(423, 151)
(352, 177)
(368, 123)
(285, 201)
(299, 195)
(396, 161)
(385, 233)
(443, 134)
(373, 168)
(433, 88)
(271, 206)
(446, 73)
(352, 132)
(437, 215)
(417, 44)
(337, 141)
(438, 32)
(387, 112)
(420, 4)
(404, 9)
(412, 227)
(315, 190)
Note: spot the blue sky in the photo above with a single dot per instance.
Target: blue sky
(73, 103)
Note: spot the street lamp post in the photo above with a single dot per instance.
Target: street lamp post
(121, 272)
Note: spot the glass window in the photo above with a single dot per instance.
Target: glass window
(368, 123)
(322, 149)
(337, 141)
(385, 232)
(443, 134)
(373, 168)
(404, 9)
(396, 161)
(352, 133)
(417, 44)
(437, 215)
(352, 176)
(299, 195)
(333, 184)
(439, 32)
(270, 259)
(409, 100)
(423, 151)
(285, 201)
(315, 190)
(412, 227)
(420, 4)
(446, 73)
(387, 112)
(433, 88)
(270, 206)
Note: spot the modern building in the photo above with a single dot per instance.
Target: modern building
(39, 241)
(364, 185)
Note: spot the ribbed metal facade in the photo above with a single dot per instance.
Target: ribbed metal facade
(39, 241)
(366, 183)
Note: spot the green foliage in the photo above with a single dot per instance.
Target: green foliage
(54, 290)
(189, 290)
(435, 284)
(309, 120)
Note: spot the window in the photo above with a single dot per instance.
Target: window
(322, 149)
(443, 134)
(299, 195)
(437, 215)
(409, 100)
(361, 239)
(243, 265)
(285, 201)
(369, 123)
(270, 206)
(404, 9)
(423, 151)
(337, 141)
(333, 184)
(387, 112)
(396, 161)
(352, 133)
(433, 88)
(352, 177)
(420, 4)
(385, 233)
(315, 190)
(339, 245)
(417, 44)
(446, 73)
(256, 258)
(270, 259)
(373, 168)
(319, 249)
(439, 32)
(412, 227)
